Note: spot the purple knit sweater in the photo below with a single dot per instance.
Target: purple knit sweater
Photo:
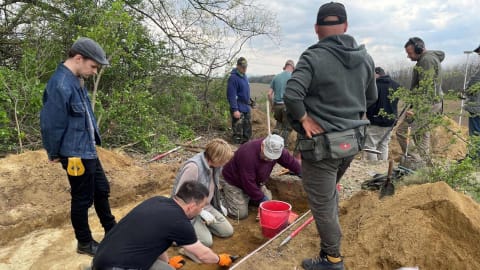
(247, 170)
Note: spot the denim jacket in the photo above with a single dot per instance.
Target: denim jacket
(65, 126)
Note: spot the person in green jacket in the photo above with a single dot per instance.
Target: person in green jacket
(428, 67)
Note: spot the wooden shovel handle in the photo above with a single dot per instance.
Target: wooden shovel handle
(390, 169)
(409, 130)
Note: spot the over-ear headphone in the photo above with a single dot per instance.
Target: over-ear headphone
(417, 43)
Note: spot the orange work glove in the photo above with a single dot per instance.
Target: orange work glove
(224, 259)
(176, 262)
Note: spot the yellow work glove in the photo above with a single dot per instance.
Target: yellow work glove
(176, 262)
(75, 166)
(224, 260)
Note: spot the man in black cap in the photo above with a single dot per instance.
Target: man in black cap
(238, 95)
(382, 116)
(472, 106)
(326, 98)
(70, 135)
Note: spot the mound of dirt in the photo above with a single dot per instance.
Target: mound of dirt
(430, 226)
(34, 193)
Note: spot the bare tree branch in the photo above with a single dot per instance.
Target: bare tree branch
(205, 35)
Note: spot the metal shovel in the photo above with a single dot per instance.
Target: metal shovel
(388, 189)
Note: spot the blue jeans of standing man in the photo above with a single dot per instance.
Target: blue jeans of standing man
(474, 130)
(90, 188)
(320, 180)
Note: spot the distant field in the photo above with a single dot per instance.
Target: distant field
(259, 90)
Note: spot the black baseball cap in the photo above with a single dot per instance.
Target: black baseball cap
(379, 71)
(89, 48)
(331, 9)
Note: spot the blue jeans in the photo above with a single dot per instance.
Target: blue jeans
(474, 125)
(90, 188)
(474, 130)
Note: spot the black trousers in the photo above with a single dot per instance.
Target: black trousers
(90, 188)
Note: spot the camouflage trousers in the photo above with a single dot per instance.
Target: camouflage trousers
(242, 128)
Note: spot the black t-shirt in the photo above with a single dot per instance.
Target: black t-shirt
(144, 234)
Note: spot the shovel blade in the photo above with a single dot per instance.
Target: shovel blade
(387, 189)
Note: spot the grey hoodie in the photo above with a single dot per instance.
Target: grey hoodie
(334, 83)
(427, 61)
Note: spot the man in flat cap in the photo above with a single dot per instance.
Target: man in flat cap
(238, 95)
(70, 135)
(472, 106)
(275, 96)
(331, 87)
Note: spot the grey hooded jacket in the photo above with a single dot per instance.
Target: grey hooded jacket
(334, 83)
(429, 60)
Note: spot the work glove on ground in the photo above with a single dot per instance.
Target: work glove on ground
(207, 217)
(176, 262)
(224, 260)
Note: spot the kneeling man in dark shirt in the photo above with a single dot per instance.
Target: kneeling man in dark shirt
(141, 239)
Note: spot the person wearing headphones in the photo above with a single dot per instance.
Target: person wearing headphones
(428, 68)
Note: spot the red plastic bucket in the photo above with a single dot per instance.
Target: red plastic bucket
(274, 217)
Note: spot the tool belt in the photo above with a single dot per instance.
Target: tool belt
(332, 145)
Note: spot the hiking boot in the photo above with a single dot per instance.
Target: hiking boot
(89, 248)
(321, 263)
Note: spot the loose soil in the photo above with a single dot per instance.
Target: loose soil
(429, 225)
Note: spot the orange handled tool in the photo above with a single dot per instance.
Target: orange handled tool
(294, 233)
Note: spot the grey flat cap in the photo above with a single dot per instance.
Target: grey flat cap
(90, 49)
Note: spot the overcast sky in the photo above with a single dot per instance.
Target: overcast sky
(383, 26)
